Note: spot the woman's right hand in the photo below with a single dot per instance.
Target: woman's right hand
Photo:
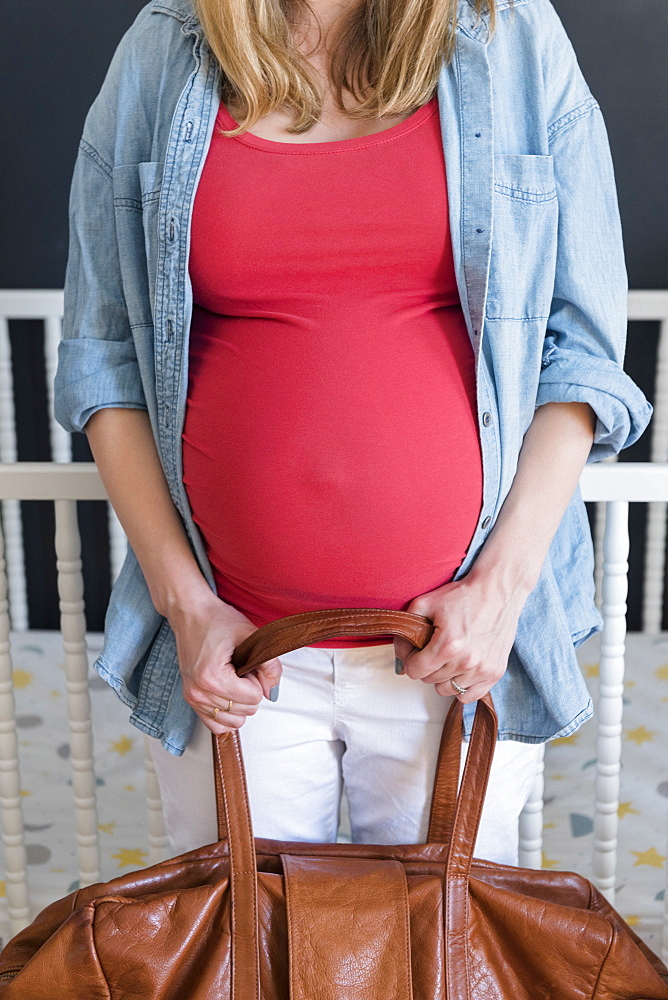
(206, 635)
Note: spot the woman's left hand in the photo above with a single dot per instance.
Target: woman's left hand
(475, 623)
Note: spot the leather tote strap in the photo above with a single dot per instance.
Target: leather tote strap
(285, 634)
(294, 631)
(465, 825)
(452, 814)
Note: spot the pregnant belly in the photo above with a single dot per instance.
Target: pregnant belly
(350, 483)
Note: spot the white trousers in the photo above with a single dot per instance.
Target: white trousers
(343, 717)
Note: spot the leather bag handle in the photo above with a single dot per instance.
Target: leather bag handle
(455, 815)
(286, 634)
(294, 631)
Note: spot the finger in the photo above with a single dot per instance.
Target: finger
(445, 674)
(225, 683)
(402, 649)
(472, 693)
(269, 675)
(227, 723)
(423, 668)
(206, 706)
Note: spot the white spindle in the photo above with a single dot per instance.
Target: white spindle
(158, 844)
(599, 533)
(11, 812)
(531, 821)
(61, 440)
(11, 509)
(655, 561)
(655, 538)
(611, 689)
(73, 627)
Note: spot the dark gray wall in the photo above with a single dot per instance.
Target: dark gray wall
(53, 57)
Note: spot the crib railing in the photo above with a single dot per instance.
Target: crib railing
(46, 305)
(648, 305)
(612, 484)
(64, 484)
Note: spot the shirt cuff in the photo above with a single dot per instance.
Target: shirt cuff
(622, 411)
(100, 373)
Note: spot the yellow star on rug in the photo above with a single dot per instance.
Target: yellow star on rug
(661, 673)
(21, 678)
(107, 827)
(567, 739)
(632, 919)
(650, 857)
(548, 862)
(130, 856)
(640, 735)
(129, 788)
(590, 670)
(122, 746)
(3, 889)
(625, 808)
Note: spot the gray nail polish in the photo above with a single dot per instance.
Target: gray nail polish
(273, 692)
(398, 665)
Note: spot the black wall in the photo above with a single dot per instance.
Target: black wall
(53, 57)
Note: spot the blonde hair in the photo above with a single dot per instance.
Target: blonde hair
(386, 53)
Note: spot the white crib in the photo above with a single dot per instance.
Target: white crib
(611, 485)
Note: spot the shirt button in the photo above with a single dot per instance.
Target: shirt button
(486, 522)
(487, 419)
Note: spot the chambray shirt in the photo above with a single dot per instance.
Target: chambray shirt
(540, 269)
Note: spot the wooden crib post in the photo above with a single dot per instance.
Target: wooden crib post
(655, 538)
(158, 844)
(611, 690)
(11, 506)
(11, 812)
(73, 627)
(531, 821)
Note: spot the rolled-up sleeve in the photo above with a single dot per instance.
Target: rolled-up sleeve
(585, 342)
(97, 363)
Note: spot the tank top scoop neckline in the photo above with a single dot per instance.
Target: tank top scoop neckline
(225, 120)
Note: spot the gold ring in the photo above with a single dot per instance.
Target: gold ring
(212, 715)
(229, 707)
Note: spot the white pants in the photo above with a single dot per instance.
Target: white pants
(343, 717)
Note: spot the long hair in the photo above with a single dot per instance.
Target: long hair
(386, 53)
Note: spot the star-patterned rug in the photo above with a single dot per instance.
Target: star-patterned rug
(570, 766)
(47, 800)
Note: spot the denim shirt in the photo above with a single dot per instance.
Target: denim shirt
(540, 269)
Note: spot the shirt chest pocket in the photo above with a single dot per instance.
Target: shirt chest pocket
(524, 237)
(137, 189)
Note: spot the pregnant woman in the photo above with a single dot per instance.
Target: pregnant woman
(342, 331)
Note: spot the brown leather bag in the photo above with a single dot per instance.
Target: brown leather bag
(270, 920)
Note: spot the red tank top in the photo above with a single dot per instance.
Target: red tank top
(330, 447)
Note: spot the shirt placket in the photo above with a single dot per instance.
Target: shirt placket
(189, 138)
(466, 111)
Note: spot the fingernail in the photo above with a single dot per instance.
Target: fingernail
(398, 665)
(273, 693)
